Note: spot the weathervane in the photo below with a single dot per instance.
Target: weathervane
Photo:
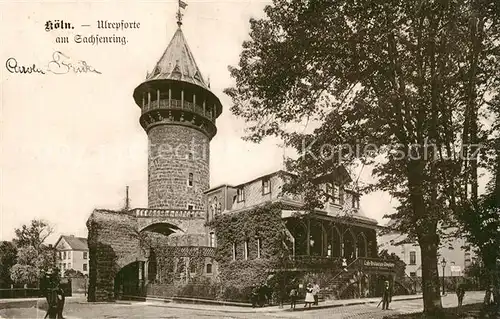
(182, 5)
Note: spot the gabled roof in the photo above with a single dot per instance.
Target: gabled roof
(76, 243)
(177, 63)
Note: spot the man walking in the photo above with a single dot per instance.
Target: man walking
(60, 302)
(52, 302)
(460, 294)
(386, 297)
(254, 295)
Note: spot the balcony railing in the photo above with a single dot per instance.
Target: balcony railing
(177, 104)
(309, 262)
(170, 213)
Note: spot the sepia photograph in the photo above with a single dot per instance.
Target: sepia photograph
(250, 159)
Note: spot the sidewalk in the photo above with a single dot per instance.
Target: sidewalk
(35, 302)
(286, 307)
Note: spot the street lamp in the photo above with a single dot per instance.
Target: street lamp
(443, 264)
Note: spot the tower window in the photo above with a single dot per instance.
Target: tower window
(212, 239)
(209, 268)
(259, 247)
(190, 179)
(266, 186)
(241, 194)
(235, 253)
(246, 250)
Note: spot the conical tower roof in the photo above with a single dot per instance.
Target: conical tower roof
(177, 63)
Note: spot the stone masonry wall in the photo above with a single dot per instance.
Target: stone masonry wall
(113, 243)
(174, 152)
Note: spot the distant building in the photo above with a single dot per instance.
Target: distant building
(457, 258)
(73, 253)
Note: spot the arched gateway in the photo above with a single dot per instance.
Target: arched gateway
(178, 113)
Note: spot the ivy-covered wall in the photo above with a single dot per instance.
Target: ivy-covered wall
(262, 225)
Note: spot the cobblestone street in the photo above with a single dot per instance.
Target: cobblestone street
(140, 310)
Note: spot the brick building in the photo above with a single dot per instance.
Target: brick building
(147, 251)
(320, 240)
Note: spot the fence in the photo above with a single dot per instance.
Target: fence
(37, 292)
(20, 293)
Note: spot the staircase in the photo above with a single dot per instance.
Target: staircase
(336, 284)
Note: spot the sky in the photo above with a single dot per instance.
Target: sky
(70, 143)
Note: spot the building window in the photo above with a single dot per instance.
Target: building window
(69, 265)
(190, 155)
(241, 194)
(84, 267)
(212, 239)
(266, 186)
(413, 274)
(259, 247)
(333, 193)
(69, 254)
(413, 258)
(213, 208)
(192, 268)
(336, 194)
(234, 251)
(190, 206)
(209, 268)
(190, 179)
(84, 255)
(246, 250)
(64, 255)
(355, 201)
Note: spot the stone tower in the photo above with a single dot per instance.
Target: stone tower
(178, 113)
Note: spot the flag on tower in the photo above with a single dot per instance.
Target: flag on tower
(182, 4)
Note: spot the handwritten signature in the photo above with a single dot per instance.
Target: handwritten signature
(60, 64)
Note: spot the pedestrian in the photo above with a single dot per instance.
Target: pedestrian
(293, 298)
(60, 302)
(309, 296)
(344, 264)
(315, 293)
(51, 296)
(460, 294)
(386, 297)
(254, 295)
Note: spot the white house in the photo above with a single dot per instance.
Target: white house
(73, 254)
(456, 257)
